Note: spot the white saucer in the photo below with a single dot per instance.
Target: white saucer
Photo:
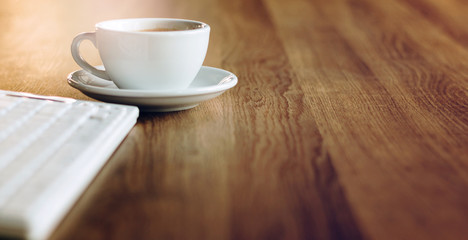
(209, 83)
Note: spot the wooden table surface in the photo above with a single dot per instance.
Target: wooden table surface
(349, 121)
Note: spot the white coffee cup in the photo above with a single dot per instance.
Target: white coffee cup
(147, 53)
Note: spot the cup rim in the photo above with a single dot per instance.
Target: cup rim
(103, 25)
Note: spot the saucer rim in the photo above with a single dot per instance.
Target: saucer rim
(153, 93)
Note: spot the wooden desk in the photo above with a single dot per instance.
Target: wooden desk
(350, 121)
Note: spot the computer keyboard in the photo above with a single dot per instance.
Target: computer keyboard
(51, 148)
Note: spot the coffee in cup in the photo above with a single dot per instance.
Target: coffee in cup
(147, 53)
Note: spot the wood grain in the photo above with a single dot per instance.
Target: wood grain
(349, 121)
(386, 120)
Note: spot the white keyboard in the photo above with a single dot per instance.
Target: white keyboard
(50, 150)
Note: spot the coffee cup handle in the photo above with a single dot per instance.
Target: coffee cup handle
(75, 50)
